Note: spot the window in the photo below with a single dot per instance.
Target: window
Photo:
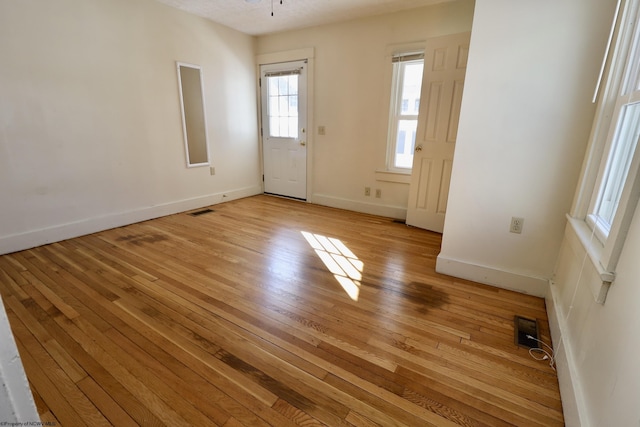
(403, 117)
(283, 104)
(610, 185)
(606, 199)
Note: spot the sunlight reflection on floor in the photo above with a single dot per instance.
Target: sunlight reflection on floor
(339, 260)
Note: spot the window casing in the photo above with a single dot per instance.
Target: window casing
(404, 108)
(610, 184)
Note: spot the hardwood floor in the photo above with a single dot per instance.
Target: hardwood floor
(232, 318)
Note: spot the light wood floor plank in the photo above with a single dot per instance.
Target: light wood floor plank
(232, 318)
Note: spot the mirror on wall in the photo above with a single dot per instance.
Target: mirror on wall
(193, 114)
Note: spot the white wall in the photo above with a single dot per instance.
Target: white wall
(90, 137)
(90, 125)
(352, 83)
(597, 345)
(525, 120)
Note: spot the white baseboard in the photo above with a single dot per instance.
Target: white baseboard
(397, 212)
(31, 239)
(573, 406)
(536, 286)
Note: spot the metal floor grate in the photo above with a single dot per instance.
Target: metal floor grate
(523, 328)
(201, 212)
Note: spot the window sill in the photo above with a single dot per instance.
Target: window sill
(397, 177)
(593, 247)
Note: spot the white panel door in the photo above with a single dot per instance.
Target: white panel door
(445, 65)
(284, 116)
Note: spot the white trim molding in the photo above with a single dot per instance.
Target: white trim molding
(513, 281)
(31, 239)
(396, 212)
(579, 234)
(573, 404)
(391, 176)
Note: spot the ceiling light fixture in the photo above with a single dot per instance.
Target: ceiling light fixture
(258, 1)
(272, 6)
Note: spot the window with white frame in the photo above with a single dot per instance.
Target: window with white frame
(614, 170)
(611, 183)
(404, 107)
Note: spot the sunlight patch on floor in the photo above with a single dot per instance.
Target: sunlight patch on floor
(339, 260)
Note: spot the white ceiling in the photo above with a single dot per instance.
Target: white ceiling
(254, 16)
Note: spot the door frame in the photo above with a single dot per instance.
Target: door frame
(306, 54)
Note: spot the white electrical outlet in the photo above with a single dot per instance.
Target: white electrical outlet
(367, 191)
(322, 130)
(516, 225)
(378, 193)
(212, 170)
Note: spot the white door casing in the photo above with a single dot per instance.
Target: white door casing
(284, 134)
(445, 65)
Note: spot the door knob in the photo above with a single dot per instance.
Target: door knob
(419, 147)
(303, 143)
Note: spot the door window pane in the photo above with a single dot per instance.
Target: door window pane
(283, 106)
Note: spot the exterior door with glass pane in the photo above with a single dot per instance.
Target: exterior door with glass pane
(445, 65)
(284, 138)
